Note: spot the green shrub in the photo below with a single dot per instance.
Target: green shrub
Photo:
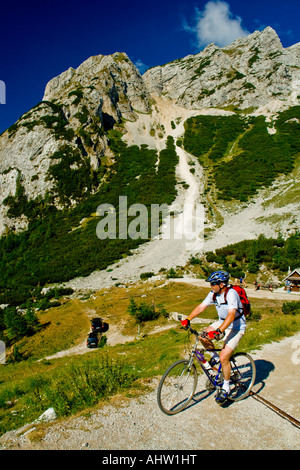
(260, 159)
(102, 342)
(172, 274)
(144, 312)
(291, 308)
(248, 255)
(17, 324)
(194, 260)
(255, 316)
(146, 275)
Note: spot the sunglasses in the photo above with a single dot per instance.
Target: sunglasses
(214, 283)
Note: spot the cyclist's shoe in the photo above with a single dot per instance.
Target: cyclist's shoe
(222, 397)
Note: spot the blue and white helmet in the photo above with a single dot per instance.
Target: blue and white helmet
(219, 276)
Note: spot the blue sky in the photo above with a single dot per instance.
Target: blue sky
(41, 39)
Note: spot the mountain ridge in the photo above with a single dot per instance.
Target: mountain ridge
(230, 76)
(65, 149)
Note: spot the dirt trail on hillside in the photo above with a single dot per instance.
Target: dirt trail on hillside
(138, 424)
(277, 294)
(175, 244)
(115, 337)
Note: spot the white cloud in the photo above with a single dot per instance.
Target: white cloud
(216, 24)
(141, 66)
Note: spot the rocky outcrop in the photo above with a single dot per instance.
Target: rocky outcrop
(248, 74)
(25, 156)
(78, 107)
(110, 85)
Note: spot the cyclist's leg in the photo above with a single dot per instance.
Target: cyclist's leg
(231, 341)
(225, 356)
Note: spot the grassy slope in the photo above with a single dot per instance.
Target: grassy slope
(71, 384)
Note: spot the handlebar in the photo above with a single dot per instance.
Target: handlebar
(194, 332)
(203, 334)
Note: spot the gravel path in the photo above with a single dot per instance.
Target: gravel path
(138, 424)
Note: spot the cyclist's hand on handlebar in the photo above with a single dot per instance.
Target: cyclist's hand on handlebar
(185, 323)
(216, 334)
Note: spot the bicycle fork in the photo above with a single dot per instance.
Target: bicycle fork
(180, 384)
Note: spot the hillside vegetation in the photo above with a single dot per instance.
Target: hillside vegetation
(248, 256)
(275, 256)
(62, 244)
(242, 155)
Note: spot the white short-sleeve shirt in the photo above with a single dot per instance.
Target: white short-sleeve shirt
(233, 301)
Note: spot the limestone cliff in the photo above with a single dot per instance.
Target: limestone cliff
(78, 107)
(248, 74)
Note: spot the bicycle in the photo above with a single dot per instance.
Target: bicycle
(178, 384)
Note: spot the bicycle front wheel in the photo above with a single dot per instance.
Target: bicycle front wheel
(243, 373)
(177, 387)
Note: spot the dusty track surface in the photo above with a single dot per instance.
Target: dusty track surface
(138, 424)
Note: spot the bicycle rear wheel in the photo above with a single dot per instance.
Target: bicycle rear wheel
(243, 373)
(177, 387)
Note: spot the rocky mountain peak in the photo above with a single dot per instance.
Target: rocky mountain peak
(110, 84)
(268, 38)
(247, 74)
(78, 108)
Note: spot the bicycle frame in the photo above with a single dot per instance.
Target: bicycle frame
(215, 380)
(199, 354)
